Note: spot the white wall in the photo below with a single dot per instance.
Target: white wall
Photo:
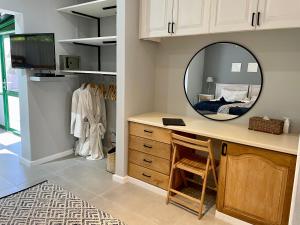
(278, 52)
(295, 206)
(135, 68)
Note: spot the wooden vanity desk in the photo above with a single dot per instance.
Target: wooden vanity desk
(256, 169)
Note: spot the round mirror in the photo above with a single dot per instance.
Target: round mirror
(223, 81)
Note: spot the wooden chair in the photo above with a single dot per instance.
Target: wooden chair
(192, 165)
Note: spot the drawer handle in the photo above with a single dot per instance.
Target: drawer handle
(148, 131)
(147, 146)
(147, 161)
(145, 175)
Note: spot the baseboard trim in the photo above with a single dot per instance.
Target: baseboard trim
(230, 219)
(149, 187)
(120, 179)
(46, 159)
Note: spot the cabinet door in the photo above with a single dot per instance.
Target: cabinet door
(279, 14)
(191, 17)
(255, 185)
(232, 15)
(155, 15)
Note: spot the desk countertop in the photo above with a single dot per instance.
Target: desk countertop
(286, 143)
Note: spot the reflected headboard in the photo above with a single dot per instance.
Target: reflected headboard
(235, 87)
(254, 90)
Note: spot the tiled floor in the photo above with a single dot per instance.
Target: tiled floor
(89, 181)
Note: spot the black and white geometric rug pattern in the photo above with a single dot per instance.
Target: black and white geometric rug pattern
(49, 204)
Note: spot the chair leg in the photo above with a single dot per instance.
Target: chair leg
(215, 177)
(202, 196)
(171, 175)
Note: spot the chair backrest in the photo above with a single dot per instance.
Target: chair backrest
(191, 143)
(199, 145)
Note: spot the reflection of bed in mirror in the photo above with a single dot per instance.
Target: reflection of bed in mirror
(231, 101)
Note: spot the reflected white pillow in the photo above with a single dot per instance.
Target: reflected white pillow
(233, 95)
(253, 98)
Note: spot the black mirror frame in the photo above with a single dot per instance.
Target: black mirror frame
(225, 42)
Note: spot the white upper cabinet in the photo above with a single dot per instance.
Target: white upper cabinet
(164, 18)
(155, 18)
(191, 17)
(275, 14)
(233, 15)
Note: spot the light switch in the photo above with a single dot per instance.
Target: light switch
(252, 68)
(236, 67)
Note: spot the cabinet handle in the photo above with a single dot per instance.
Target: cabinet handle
(258, 19)
(147, 161)
(169, 26)
(172, 30)
(148, 131)
(252, 22)
(145, 175)
(224, 149)
(147, 146)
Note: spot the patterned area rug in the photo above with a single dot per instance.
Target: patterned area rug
(49, 204)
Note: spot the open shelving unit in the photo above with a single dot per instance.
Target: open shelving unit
(89, 72)
(93, 10)
(96, 9)
(95, 41)
(50, 79)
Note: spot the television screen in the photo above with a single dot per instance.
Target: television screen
(33, 51)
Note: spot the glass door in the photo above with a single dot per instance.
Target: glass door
(9, 89)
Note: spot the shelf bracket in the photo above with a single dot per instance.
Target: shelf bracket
(109, 7)
(85, 15)
(89, 45)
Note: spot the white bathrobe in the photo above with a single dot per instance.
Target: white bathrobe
(97, 122)
(82, 126)
(74, 109)
(90, 123)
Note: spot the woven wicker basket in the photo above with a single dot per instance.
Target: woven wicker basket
(268, 126)
(111, 161)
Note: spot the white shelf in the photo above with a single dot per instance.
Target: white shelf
(96, 41)
(89, 72)
(93, 8)
(50, 79)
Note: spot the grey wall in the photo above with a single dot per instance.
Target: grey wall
(135, 80)
(278, 52)
(194, 77)
(218, 62)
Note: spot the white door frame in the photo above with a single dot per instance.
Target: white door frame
(295, 205)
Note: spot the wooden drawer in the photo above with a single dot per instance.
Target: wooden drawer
(150, 132)
(150, 162)
(148, 176)
(151, 147)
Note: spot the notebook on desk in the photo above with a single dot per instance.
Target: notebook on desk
(173, 122)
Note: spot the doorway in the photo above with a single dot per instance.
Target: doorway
(9, 82)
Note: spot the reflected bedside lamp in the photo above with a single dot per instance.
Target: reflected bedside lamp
(209, 80)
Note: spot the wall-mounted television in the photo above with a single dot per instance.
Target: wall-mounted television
(33, 51)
